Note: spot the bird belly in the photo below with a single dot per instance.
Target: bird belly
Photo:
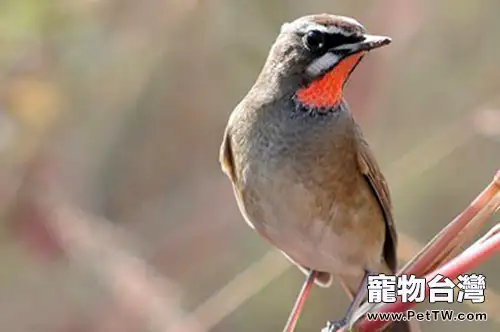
(312, 231)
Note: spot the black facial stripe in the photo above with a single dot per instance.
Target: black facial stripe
(336, 39)
(328, 40)
(300, 110)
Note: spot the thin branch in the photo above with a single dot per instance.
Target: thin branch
(457, 232)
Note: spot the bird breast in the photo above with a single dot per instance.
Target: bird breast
(301, 190)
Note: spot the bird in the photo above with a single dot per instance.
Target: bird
(302, 173)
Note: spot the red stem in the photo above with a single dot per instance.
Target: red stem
(453, 228)
(299, 303)
(471, 258)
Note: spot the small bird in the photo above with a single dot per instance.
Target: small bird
(303, 175)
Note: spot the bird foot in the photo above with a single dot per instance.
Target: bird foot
(335, 325)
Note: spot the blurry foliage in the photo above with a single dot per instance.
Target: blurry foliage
(129, 99)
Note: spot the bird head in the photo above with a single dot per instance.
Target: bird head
(314, 56)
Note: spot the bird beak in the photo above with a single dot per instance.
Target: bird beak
(369, 43)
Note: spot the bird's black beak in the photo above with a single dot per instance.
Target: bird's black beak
(369, 42)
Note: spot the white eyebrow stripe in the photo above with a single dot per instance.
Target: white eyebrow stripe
(351, 20)
(322, 28)
(285, 27)
(324, 62)
(304, 27)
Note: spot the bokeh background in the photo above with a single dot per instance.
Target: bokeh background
(115, 214)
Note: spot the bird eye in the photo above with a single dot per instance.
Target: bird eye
(314, 41)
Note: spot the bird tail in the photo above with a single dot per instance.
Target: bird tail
(351, 286)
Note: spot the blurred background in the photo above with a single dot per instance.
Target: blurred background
(115, 214)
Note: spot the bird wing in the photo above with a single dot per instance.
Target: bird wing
(370, 169)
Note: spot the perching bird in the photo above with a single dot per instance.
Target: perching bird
(303, 175)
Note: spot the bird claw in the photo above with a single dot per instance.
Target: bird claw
(333, 326)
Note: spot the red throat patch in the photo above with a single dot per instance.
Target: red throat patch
(327, 90)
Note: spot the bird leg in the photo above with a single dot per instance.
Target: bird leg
(333, 326)
(299, 303)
